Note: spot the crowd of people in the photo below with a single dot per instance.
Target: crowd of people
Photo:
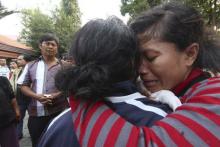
(152, 82)
(33, 86)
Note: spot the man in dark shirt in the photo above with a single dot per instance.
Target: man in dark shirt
(37, 82)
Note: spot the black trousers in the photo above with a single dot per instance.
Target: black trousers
(37, 125)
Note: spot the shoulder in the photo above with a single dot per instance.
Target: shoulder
(197, 118)
(2, 78)
(31, 63)
(208, 87)
(60, 132)
(4, 81)
(141, 111)
(34, 65)
(62, 118)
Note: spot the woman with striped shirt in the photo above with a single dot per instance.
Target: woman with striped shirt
(175, 49)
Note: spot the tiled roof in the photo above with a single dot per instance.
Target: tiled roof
(13, 43)
(5, 55)
(8, 48)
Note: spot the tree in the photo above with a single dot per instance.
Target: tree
(64, 22)
(210, 9)
(134, 7)
(4, 12)
(35, 24)
(67, 22)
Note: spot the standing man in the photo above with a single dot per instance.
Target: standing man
(4, 70)
(37, 82)
(13, 76)
(23, 100)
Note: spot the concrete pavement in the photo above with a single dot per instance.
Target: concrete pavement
(26, 140)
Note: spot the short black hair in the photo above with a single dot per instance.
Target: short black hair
(49, 37)
(27, 57)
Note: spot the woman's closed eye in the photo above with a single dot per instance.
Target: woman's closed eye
(150, 58)
(149, 55)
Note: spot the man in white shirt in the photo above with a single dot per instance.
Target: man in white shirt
(4, 70)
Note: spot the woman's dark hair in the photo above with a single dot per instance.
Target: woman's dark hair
(49, 37)
(182, 25)
(6, 88)
(104, 52)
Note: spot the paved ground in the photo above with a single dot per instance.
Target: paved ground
(25, 141)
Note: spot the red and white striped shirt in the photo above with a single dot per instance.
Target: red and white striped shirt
(195, 123)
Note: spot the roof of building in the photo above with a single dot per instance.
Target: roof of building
(13, 43)
(10, 48)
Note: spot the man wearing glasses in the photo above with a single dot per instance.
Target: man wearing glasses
(37, 82)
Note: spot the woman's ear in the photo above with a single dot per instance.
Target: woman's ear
(191, 53)
(40, 45)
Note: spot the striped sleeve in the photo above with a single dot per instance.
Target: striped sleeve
(195, 123)
(102, 127)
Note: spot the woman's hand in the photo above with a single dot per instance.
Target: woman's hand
(17, 115)
(166, 97)
(16, 109)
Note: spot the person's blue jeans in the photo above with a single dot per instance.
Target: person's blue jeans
(23, 108)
